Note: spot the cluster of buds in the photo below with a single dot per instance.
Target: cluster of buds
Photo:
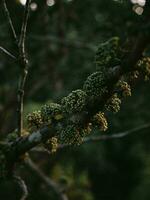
(113, 103)
(51, 145)
(144, 67)
(100, 121)
(34, 120)
(125, 88)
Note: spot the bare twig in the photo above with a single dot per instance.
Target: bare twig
(7, 53)
(23, 187)
(99, 138)
(24, 67)
(24, 27)
(50, 183)
(23, 62)
(109, 137)
(10, 20)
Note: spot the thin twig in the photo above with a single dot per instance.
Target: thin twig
(10, 20)
(24, 26)
(24, 67)
(99, 138)
(109, 137)
(50, 183)
(23, 187)
(7, 53)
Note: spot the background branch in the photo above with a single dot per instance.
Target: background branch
(7, 53)
(10, 21)
(99, 138)
(24, 67)
(50, 183)
(23, 187)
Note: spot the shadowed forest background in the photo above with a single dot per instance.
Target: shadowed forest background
(62, 38)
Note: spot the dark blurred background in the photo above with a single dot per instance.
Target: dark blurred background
(62, 38)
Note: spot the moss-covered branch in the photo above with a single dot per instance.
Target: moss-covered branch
(71, 120)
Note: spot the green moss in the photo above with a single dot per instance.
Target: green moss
(52, 111)
(108, 54)
(73, 135)
(68, 135)
(94, 85)
(74, 102)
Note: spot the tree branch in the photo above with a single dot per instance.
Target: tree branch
(23, 187)
(23, 62)
(24, 67)
(24, 144)
(50, 183)
(110, 137)
(99, 138)
(7, 53)
(10, 21)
